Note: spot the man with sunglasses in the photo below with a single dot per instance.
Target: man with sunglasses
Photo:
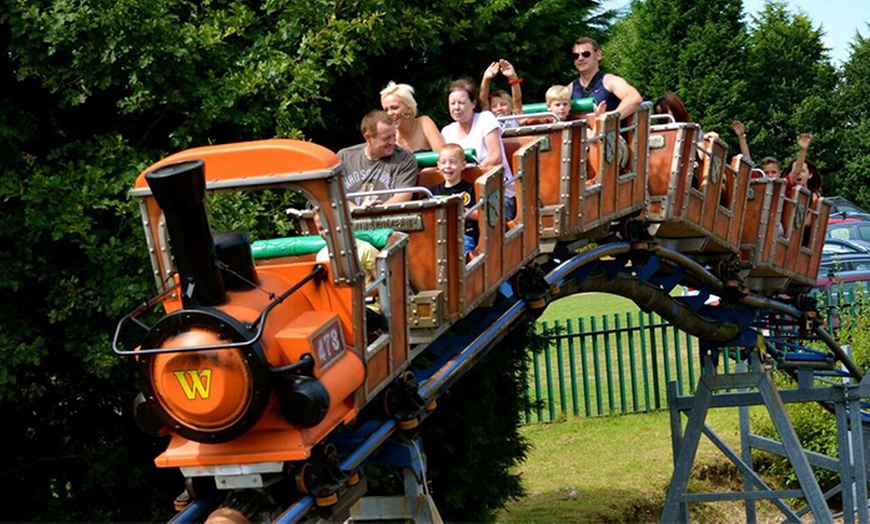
(610, 92)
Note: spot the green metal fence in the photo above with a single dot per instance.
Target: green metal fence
(622, 363)
(613, 364)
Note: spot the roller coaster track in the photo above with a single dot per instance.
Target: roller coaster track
(646, 274)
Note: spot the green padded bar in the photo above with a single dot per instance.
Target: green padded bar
(578, 105)
(375, 237)
(308, 244)
(430, 158)
(289, 246)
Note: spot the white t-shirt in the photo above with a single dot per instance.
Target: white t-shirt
(481, 125)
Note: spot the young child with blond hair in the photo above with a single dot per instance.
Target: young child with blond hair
(558, 99)
(451, 162)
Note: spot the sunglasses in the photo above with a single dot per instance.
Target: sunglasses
(584, 54)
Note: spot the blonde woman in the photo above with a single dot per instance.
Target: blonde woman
(412, 132)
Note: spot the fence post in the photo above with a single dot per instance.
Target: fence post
(608, 366)
(572, 361)
(620, 362)
(560, 361)
(584, 362)
(654, 359)
(632, 361)
(666, 360)
(536, 362)
(644, 360)
(677, 359)
(548, 363)
(690, 358)
(596, 365)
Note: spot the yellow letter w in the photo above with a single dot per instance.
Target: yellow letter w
(200, 382)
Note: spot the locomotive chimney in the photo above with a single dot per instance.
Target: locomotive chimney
(179, 189)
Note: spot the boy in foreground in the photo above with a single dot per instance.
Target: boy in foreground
(451, 162)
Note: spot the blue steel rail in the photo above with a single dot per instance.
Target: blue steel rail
(613, 268)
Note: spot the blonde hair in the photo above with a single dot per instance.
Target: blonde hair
(557, 92)
(404, 92)
(452, 148)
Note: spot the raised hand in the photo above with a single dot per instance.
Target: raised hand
(738, 127)
(491, 71)
(507, 69)
(804, 140)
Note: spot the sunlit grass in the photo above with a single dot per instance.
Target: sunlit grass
(613, 469)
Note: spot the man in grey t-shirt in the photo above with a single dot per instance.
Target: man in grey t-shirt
(378, 163)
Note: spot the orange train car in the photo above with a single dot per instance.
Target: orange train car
(696, 197)
(782, 237)
(589, 179)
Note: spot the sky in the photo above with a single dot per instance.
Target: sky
(840, 19)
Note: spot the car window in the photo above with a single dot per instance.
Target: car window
(841, 233)
(864, 232)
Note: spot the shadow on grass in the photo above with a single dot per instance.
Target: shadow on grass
(576, 504)
(571, 504)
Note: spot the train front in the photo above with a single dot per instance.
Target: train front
(250, 367)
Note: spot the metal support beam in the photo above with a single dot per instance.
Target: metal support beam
(756, 386)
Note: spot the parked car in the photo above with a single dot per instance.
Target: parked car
(839, 246)
(849, 230)
(842, 208)
(843, 216)
(842, 262)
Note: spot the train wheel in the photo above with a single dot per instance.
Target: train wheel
(353, 479)
(402, 401)
(409, 424)
(181, 501)
(327, 500)
(301, 481)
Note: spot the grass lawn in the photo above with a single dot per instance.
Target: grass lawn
(617, 469)
(587, 304)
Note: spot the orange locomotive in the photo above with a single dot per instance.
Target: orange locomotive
(263, 353)
(255, 365)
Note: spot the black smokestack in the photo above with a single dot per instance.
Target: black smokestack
(179, 189)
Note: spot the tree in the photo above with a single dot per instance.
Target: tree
(852, 127)
(470, 471)
(91, 92)
(692, 48)
(789, 75)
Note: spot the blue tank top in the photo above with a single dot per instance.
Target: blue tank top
(596, 90)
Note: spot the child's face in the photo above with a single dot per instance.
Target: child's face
(501, 106)
(560, 107)
(450, 165)
(803, 176)
(771, 170)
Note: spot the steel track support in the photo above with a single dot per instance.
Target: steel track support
(685, 444)
(416, 504)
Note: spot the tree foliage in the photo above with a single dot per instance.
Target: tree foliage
(692, 48)
(789, 73)
(851, 131)
(93, 91)
(471, 471)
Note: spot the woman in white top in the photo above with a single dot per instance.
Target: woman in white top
(478, 130)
